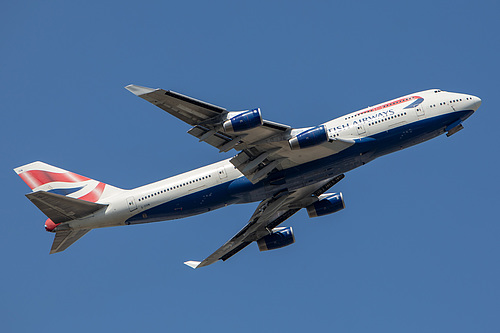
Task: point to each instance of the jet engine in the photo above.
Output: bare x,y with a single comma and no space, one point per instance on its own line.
279,237
328,203
309,138
243,121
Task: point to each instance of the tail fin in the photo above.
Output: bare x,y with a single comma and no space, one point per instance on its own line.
63,196
40,176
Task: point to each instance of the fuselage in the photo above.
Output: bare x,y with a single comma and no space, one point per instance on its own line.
376,131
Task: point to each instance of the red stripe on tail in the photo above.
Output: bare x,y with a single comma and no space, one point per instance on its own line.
35,178
95,194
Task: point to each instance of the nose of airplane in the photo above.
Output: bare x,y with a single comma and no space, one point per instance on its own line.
476,103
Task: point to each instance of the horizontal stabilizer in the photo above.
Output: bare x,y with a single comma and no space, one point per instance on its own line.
60,208
65,238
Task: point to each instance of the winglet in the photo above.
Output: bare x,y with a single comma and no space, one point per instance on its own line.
138,90
192,264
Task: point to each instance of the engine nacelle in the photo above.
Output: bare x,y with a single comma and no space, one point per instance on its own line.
243,121
280,237
312,137
329,203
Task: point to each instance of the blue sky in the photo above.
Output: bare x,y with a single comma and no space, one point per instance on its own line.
416,249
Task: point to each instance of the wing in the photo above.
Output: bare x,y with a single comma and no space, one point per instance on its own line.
187,109
268,215
263,145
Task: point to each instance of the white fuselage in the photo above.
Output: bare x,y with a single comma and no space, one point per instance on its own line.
377,130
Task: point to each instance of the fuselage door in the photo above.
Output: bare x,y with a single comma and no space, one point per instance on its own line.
360,128
222,173
131,204
420,111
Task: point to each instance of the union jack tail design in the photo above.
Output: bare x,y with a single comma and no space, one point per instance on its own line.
63,196
40,176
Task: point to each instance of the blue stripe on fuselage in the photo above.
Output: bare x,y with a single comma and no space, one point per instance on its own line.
241,190
415,103
203,201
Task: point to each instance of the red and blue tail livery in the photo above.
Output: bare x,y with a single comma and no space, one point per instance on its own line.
40,176
285,169
63,195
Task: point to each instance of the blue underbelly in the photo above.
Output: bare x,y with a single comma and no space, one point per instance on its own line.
192,204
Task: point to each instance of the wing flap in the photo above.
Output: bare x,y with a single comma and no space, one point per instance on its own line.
209,136
60,208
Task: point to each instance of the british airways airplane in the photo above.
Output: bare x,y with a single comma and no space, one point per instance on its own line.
286,169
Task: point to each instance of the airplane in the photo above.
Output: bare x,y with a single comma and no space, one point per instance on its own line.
286,169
